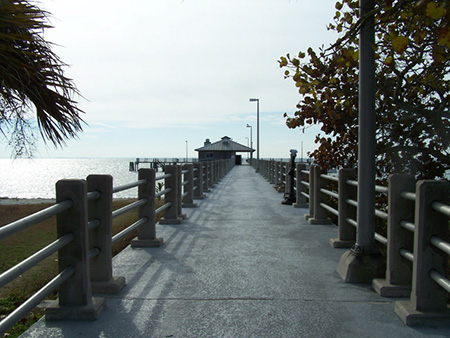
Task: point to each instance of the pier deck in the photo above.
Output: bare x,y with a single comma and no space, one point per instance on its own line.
241,265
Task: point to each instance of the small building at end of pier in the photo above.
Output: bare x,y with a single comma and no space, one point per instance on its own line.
224,149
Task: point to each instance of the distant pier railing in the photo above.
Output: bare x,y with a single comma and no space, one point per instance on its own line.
416,216
158,163
84,221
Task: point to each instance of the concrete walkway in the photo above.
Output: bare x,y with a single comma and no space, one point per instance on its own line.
241,265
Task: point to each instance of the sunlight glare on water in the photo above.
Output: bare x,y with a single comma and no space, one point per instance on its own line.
36,178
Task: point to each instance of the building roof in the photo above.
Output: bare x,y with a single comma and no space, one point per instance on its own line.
225,144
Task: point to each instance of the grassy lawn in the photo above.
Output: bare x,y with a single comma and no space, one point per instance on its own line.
17,247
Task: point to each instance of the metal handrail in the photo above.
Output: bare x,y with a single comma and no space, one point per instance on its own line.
408,195
35,218
34,259
329,193
129,207
34,300
129,186
163,207
163,192
330,178
440,244
127,230
330,209
162,177
441,207
440,279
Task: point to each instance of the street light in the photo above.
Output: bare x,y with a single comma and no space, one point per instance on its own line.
251,144
247,145
257,131
186,150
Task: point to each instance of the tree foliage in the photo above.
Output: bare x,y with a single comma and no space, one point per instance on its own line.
412,88
32,80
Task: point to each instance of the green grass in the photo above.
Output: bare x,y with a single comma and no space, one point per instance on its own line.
19,246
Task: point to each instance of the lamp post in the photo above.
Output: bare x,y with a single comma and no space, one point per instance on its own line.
257,131
186,150
247,145
251,143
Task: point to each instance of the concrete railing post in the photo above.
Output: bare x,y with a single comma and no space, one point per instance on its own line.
198,180
301,200
171,214
276,174
75,301
320,215
398,270
286,177
428,302
102,280
188,200
147,232
346,231
205,177
311,192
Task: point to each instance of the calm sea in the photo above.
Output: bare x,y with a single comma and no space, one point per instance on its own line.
36,178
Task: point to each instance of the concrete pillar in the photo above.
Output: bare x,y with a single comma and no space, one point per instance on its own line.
147,232
311,192
320,215
346,231
188,200
276,179
398,270
100,209
428,302
75,300
301,201
198,180
205,177
171,214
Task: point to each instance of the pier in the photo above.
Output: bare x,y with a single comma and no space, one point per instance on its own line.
241,264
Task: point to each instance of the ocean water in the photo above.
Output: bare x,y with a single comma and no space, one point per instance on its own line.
36,178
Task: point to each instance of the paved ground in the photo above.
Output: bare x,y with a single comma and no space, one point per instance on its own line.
241,265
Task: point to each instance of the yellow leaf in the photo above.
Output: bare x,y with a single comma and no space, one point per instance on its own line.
435,11
388,61
399,44
444,37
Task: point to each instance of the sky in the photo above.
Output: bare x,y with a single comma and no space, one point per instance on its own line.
158,77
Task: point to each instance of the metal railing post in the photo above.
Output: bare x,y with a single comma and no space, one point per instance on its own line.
171,214
398,270
102,279
428,302
75,301
320,215
346,231
147,232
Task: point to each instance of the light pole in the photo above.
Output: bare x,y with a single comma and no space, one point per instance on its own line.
247,145
257,131
186,150
251,143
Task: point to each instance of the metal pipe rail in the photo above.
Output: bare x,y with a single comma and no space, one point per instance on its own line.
33,219
90,241
129,207
34,259
127,230
9,321
128,186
